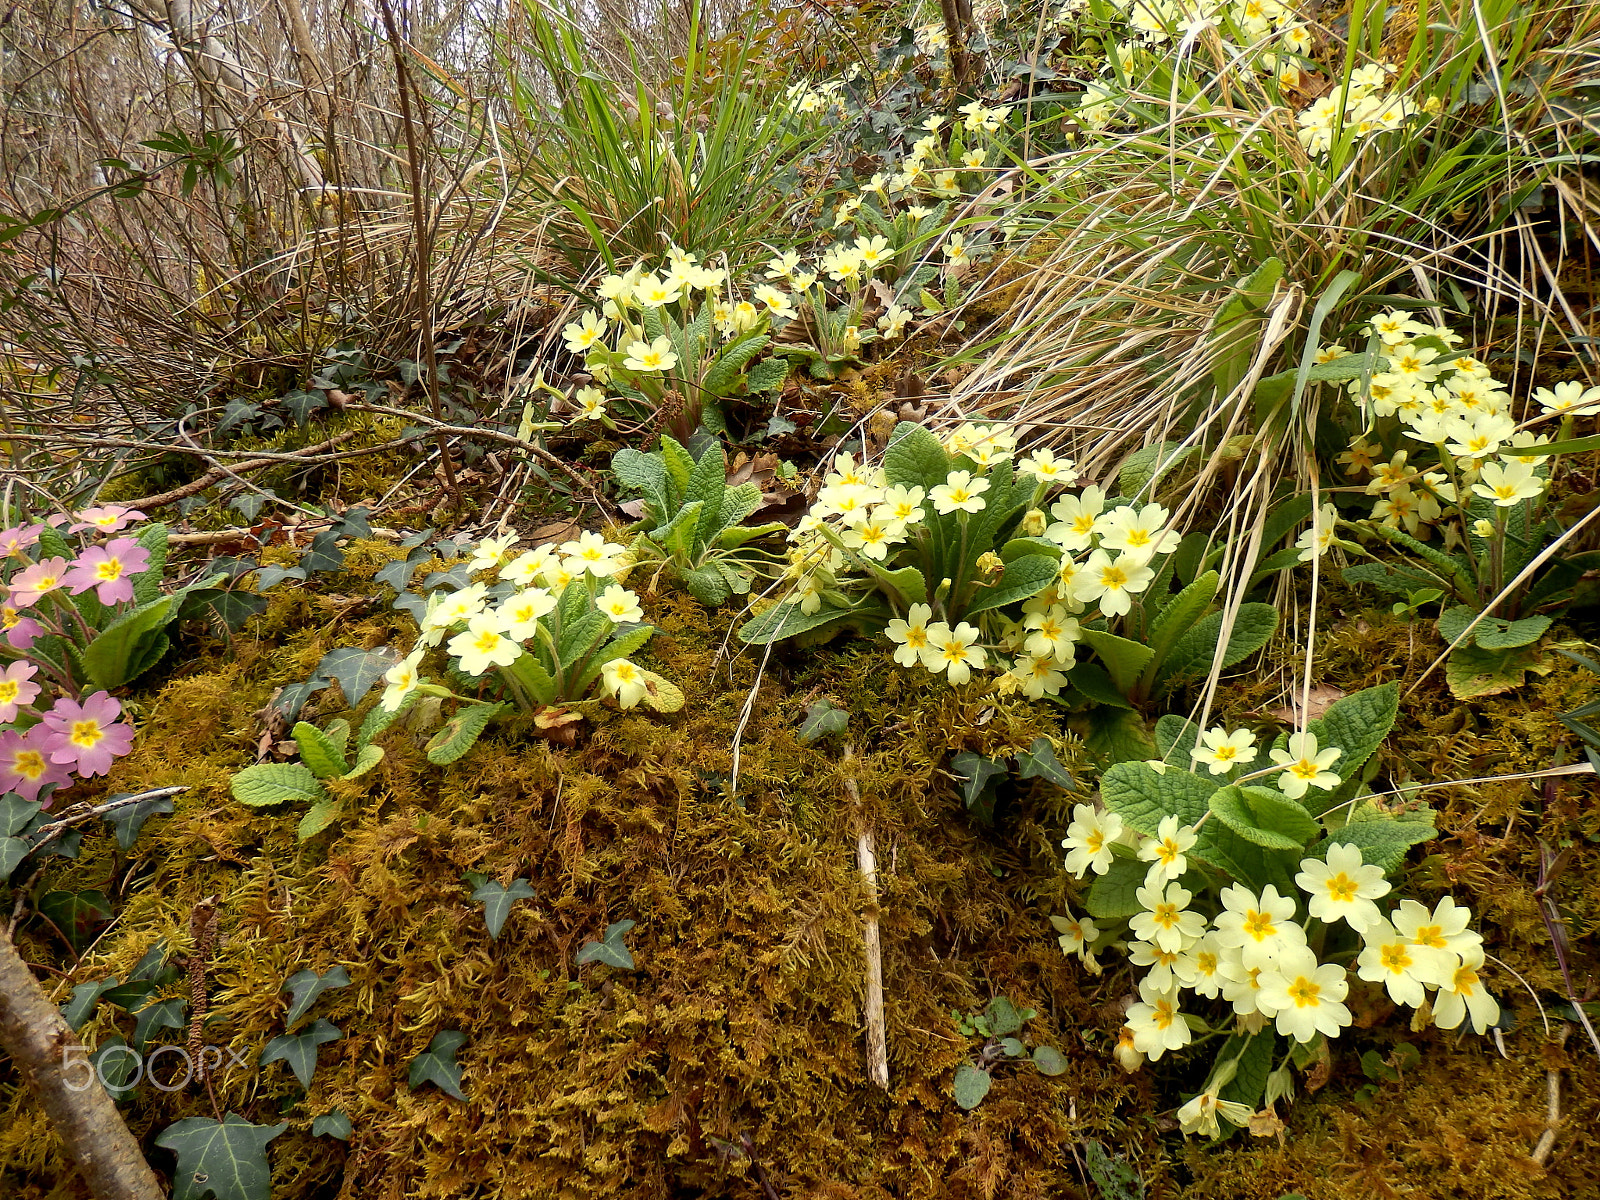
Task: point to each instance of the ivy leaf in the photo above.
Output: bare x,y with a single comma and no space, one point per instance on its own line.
126,821
114,1062
12,851
975,773
1039,761
333,1124
78,915
497,901
356,671
271,576
226,1159
305,986
324,555
85,999
225,608
822,719
16,813
971,1086
300,404
437,1064
610,951
156,1016
299,1050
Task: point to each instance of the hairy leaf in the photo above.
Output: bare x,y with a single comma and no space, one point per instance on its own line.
275,783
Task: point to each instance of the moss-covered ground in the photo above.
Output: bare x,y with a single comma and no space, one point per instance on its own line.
730,1061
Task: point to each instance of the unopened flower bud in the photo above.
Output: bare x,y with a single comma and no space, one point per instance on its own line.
1033,523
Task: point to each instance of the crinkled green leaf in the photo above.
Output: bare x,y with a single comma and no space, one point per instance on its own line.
275,783
915,457
319,751
1141,796
458,735
1115,894
1263,816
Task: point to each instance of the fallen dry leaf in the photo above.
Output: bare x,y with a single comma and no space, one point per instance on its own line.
1319,702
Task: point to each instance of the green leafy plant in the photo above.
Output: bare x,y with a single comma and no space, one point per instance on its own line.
947,551
693,521
324,755
1443,453
1201,871
437,1065
609,950
999,1025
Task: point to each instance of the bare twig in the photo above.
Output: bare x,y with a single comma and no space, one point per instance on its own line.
867,861
1552,1123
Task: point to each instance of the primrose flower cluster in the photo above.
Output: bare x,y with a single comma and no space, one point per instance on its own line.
1265,36
861,523
1221,956
548,622
49,732
1443,432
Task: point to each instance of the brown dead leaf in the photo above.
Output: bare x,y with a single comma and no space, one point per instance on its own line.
1266,1123
559,725
1320,699
554,531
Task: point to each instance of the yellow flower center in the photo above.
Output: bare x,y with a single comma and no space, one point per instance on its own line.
1304,769
1466,981
1095,842
1225,753
8,690
1164,1014
954,651
86,733
486,641
1168,851
109,570
1259,925
1113,579
916,637
1304,993
1430,935
29,764
1083,523
1342,888
1395,957
1138,537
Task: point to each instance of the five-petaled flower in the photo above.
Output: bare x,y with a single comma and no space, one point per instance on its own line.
107,569
1089,838
1307,766
87,736
1221,751
1167,850
1342,888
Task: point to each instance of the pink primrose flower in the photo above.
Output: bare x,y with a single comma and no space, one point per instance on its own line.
25,766
16,691
105,520
18,630
107,568
40,579
15,540
88,735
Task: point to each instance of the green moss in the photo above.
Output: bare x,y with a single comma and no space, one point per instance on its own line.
743,1019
